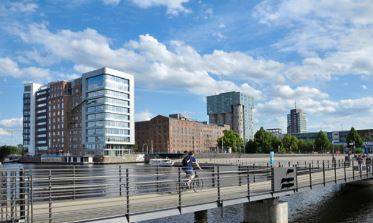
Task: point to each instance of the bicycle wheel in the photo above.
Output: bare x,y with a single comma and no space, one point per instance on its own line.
197,184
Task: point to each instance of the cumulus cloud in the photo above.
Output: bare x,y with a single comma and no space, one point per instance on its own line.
4,132
174,7
12,122
174,65
337,43
23,6
143,116
10,67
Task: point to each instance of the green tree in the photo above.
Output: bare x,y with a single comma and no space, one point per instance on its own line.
354,137
322,143
263,141
9,150
290,143
305,146
231,140
250,147
276,143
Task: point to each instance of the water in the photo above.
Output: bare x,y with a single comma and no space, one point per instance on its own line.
335,203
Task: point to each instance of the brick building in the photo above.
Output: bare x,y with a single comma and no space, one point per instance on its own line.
176,133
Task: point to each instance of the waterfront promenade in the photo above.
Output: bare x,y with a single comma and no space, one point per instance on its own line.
80,194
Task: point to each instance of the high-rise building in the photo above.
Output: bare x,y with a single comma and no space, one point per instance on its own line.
176,133
108,112
296,121
29,116
92,115
234,109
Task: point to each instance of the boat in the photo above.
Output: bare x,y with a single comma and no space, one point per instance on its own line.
161,162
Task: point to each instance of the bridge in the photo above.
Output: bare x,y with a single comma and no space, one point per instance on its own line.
138,193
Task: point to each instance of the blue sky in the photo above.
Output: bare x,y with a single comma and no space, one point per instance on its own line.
317,53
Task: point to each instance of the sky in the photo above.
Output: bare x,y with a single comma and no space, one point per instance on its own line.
315,53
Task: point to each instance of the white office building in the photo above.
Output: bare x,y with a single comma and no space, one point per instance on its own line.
108,112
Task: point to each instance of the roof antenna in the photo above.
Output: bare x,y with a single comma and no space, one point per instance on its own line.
295,104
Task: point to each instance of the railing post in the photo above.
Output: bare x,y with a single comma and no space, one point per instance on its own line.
22,205
353,170
310,173
219,195
120,180
157,178
32,199
50,196
239,175
213,177
360,170
254,172
328,164
335,171
344,170
323,172
73,182
179,188
296,178
318,165
248,182
127,196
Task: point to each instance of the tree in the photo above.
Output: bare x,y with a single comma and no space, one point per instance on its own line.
354,137
306,146
276,143
231,140
262,141
250,147
5,151
290,143
322,143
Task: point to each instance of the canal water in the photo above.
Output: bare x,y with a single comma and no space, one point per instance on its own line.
334,203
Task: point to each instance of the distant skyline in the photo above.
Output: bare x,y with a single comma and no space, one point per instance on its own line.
317,53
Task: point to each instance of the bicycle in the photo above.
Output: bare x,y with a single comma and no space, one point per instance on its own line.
196,185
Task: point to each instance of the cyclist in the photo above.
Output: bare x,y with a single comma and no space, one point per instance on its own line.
187,163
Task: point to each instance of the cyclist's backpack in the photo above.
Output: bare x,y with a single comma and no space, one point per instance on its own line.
185,161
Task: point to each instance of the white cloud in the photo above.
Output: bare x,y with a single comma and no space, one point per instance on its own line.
111,2
143,116
4,132
174,7
12,122
285,91
364,87
23,6
8,67
176,65
333,37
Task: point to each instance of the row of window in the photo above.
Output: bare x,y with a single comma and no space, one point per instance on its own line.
107,108
108,123
100,139
105,100
107,81
100,116
108,131
108,93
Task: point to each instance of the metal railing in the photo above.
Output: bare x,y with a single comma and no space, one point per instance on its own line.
85,193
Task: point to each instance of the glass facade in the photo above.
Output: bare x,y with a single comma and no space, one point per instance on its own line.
107,113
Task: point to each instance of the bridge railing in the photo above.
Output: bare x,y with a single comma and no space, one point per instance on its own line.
83,193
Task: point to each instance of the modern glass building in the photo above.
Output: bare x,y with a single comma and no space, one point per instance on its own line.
108,112
234,109
296,121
